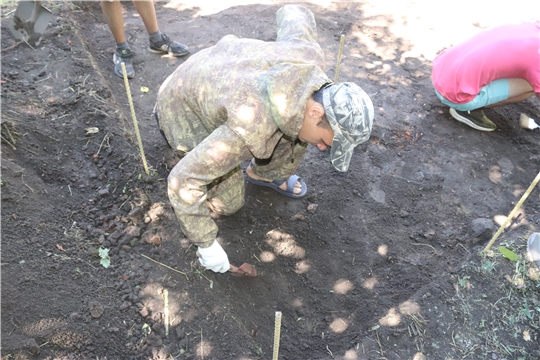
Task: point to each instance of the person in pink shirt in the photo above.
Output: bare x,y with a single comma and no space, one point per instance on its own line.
496,67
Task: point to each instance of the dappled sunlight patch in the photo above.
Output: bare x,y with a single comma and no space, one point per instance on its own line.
54,331
205,8
186,193
516,280
394,315
426,30
153,301
360,73
32,109
302,267
43,326
151,289
519,214
203,349
171,60
67,339
267,256
374,65
351,354
280,101
217,207
372,46
518,192
495,174
370,283
500,219
174,302
409,308
219,151
284,244
323,3
339,325
173,183
533,272
342,286
386,68
156,240
245,113
383,250
185,243
156,212
392,318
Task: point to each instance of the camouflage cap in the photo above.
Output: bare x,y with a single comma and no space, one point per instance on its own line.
349,111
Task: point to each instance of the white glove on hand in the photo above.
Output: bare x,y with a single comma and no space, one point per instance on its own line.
214,258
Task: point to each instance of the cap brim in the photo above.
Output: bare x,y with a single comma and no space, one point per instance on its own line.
341,152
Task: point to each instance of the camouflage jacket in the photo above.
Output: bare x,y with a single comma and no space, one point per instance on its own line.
242,96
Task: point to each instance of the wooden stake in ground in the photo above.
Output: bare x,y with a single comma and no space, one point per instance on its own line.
277,334
511,216
126,82
166,311
341,41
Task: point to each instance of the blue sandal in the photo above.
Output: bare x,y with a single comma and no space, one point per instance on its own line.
291,182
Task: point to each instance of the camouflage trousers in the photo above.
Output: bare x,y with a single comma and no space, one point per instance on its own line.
225,193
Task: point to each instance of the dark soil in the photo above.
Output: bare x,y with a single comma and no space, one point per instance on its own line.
381,262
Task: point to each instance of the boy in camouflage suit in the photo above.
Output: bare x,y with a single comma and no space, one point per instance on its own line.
247,99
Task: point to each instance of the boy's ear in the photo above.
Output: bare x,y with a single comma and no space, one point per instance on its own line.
316,111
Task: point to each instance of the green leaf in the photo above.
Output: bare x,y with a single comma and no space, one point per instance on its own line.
146,329
509,254
103,253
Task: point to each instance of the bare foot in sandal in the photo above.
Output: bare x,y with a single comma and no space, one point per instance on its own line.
298,190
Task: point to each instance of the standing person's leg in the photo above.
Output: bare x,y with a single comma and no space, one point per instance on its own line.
148,14
159,42
112,11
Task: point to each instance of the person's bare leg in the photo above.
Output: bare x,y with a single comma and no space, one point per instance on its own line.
159,42
520,90
251,174
112,11
148,14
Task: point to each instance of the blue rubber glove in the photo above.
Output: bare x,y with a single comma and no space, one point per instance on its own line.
214,258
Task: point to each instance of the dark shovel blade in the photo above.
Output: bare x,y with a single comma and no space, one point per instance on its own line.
30,21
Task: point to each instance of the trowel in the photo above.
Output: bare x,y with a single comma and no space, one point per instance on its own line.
245,269
30,21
